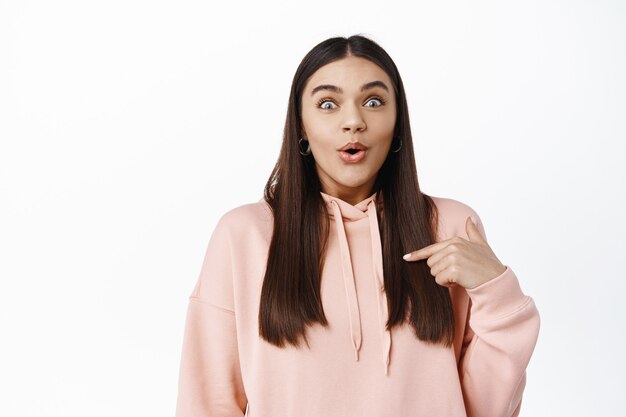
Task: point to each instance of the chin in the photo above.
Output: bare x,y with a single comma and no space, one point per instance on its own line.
353,182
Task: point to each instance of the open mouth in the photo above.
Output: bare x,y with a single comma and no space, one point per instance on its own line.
352,155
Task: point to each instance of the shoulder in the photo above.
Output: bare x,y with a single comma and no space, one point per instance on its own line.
449,207
452,215
236,230
246,218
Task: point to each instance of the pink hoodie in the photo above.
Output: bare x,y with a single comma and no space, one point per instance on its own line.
354,366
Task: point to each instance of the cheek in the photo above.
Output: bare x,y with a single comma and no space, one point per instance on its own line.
378,155
317,129
384,124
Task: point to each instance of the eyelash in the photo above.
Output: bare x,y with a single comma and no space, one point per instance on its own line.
382,101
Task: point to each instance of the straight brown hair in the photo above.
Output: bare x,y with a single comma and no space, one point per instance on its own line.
290,296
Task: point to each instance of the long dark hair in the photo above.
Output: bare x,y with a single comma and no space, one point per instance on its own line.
290,297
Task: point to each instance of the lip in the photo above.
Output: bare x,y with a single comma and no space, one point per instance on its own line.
353,145
349,158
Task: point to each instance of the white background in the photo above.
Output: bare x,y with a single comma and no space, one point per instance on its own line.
128,127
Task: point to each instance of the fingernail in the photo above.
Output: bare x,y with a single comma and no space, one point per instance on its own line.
474,220
407,256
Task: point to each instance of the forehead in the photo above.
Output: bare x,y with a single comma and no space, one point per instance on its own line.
348,73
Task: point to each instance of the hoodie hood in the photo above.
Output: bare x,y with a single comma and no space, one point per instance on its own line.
346,212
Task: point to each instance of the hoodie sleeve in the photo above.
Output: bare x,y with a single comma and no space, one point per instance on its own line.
210,382
500,336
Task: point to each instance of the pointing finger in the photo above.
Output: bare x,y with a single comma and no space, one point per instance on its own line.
424,252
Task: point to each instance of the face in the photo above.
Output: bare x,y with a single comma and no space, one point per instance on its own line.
348,108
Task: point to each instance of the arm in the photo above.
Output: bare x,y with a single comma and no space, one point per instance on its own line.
210,381
500,336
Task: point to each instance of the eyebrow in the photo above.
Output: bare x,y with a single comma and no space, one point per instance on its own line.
338,90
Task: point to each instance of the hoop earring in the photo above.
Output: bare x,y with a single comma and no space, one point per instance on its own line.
308,147
399,147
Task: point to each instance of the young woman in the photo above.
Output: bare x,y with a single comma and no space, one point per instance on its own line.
446,331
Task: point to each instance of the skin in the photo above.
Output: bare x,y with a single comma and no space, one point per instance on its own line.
352,115
458,261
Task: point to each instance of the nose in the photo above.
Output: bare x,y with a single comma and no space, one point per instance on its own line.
353,121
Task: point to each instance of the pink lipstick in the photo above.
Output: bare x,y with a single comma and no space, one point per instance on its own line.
353,152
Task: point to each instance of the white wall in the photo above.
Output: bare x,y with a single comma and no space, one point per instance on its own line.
128,127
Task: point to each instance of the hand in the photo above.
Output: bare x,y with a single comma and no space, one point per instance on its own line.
468,263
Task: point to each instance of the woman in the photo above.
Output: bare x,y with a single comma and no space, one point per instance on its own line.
446,331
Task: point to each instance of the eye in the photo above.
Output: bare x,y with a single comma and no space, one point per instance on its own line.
376,98
324,100
380,99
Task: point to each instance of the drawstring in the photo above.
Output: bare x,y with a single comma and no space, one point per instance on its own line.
348,279
377,260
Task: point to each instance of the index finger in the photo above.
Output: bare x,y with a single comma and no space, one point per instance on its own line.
425,252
